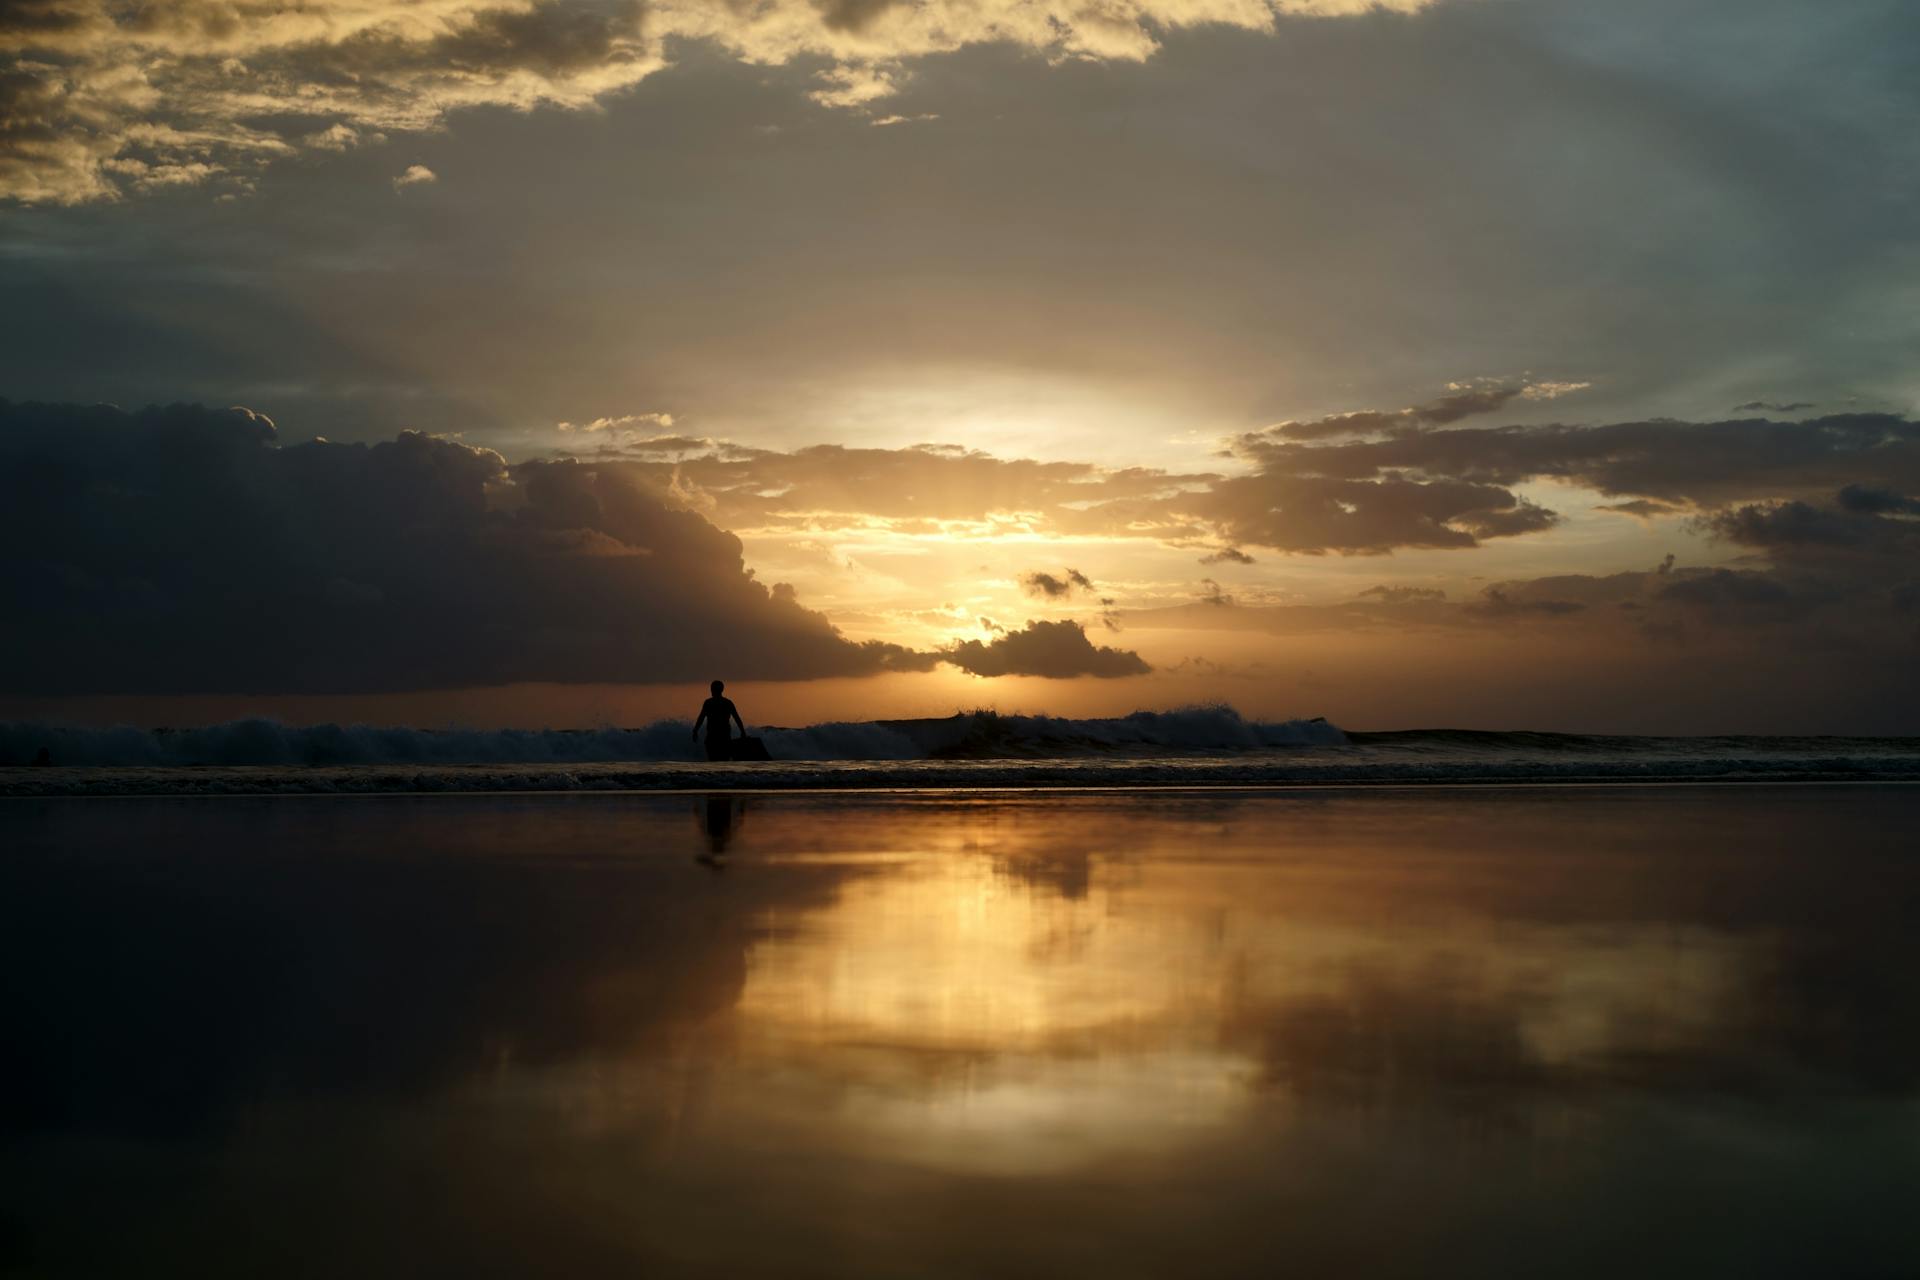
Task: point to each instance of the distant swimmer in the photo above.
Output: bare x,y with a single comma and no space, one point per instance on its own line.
715,712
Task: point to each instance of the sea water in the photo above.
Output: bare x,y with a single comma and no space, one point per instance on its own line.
1195,746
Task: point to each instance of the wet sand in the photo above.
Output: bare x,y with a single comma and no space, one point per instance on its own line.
1552,1030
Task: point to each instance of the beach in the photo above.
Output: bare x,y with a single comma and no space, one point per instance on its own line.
959,640
1397,1030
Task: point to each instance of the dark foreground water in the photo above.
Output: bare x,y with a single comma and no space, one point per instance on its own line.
1550,1031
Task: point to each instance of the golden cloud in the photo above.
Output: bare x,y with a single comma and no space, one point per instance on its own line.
98,99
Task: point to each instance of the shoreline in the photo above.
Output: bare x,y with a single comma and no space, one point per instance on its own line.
984,790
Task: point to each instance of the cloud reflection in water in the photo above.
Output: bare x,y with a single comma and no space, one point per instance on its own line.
952,1034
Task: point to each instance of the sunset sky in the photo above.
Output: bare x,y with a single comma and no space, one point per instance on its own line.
1491,363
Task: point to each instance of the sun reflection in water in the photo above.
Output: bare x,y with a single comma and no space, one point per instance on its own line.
994,995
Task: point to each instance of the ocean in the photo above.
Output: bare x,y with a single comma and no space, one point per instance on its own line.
1199,746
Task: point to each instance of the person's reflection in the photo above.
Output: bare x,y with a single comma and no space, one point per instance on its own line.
719,817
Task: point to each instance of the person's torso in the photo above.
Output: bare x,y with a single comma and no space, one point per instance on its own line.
717,711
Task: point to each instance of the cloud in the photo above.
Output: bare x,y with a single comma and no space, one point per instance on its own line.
1731,595
1770,406
1643,509
1799,525
199,89
1463,400
415,175
92,84
1402,595
1282,505
1412,609
1871,501
1849,566
1837,574
1423,487
1495,602
945,490
1699,463
335,137
1049,587
637,422
182,550
1317,514
1214,596
1227,555
1055,649
947,487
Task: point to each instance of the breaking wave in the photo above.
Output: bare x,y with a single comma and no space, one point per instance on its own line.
969,735
1192,746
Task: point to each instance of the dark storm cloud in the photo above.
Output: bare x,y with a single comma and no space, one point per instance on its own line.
1047,586
178,550
1056,649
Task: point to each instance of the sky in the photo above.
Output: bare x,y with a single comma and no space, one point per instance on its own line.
1486,363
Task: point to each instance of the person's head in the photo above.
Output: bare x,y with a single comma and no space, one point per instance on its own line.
717,686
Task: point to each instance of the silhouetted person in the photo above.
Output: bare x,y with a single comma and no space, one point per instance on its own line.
715,712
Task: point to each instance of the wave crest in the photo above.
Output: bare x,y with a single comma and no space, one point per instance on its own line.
968,735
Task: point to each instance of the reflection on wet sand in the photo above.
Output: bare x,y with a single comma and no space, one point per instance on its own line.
719,815
948,1035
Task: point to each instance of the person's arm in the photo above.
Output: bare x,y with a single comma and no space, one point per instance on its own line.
737,720
698,721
